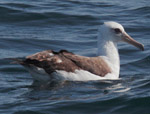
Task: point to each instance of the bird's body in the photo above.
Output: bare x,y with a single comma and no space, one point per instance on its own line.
63,65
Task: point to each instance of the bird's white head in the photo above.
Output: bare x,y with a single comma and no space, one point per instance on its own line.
110,34
113,31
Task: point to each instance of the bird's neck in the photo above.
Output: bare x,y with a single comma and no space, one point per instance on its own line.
109,51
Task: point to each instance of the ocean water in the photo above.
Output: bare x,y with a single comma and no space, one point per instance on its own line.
30,26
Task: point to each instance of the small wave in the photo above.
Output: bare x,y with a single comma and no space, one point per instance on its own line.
146,8
6,10
19,12
134,106
15,15
18,5
142,62
71,19
139,67
140,10
90,3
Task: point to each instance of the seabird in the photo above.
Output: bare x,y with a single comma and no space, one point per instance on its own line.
63,65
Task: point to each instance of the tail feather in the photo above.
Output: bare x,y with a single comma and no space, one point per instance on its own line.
17,61
37,73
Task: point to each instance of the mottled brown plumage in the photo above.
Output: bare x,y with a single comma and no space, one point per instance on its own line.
51,61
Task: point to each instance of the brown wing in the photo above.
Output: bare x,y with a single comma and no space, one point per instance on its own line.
64,60
51,61
95,65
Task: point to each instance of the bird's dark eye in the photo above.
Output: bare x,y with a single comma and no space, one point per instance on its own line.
117,31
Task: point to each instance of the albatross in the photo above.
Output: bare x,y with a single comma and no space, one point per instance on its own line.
64,65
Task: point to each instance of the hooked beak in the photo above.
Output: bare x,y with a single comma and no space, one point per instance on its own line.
130,40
